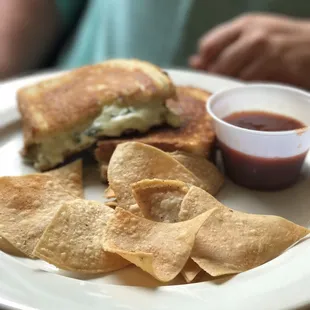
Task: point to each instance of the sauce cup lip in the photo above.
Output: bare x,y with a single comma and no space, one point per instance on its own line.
297,91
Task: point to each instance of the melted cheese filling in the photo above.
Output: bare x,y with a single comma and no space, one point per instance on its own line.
53,151
113,121
116,119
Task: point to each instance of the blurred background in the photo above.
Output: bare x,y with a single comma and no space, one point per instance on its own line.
246,39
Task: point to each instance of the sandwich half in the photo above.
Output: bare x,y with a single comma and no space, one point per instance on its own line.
195,135
67,114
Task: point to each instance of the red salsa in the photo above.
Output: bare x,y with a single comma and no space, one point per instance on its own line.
263,121
258,172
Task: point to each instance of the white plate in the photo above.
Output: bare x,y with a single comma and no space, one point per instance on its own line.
283,283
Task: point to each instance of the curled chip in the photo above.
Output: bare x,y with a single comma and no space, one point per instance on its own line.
132,162
161,249
28,203
160,200
209,175
70,177
72,241
230,241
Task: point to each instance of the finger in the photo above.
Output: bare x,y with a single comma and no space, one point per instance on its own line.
259,70
240,54
212,44
195,62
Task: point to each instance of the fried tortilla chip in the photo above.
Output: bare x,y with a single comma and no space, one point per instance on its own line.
72,241
190,271
161,249
108,193
70,177
230,242
135,209
195,202
111,204
160,200
210,176
27,205
132,162
8,248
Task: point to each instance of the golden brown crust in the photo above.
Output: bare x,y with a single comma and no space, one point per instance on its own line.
194,136
62,103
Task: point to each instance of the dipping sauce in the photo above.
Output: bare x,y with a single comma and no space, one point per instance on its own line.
261,173
258,172
263,121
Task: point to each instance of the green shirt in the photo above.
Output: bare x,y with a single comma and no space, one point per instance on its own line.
164,32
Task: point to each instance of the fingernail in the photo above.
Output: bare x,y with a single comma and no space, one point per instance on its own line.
194,61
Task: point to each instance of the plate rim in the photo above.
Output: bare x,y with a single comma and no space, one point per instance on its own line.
188,292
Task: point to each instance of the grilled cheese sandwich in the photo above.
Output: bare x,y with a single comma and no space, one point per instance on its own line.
67,114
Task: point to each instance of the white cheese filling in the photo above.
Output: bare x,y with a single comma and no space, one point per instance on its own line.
113,121
116,119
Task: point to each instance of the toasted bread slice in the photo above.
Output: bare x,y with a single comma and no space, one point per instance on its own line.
66,114
194,136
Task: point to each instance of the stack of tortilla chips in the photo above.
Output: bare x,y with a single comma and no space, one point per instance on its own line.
166,220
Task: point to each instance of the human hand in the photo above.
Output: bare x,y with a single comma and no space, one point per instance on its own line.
258,47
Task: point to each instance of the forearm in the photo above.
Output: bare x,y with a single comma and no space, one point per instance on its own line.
28,33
